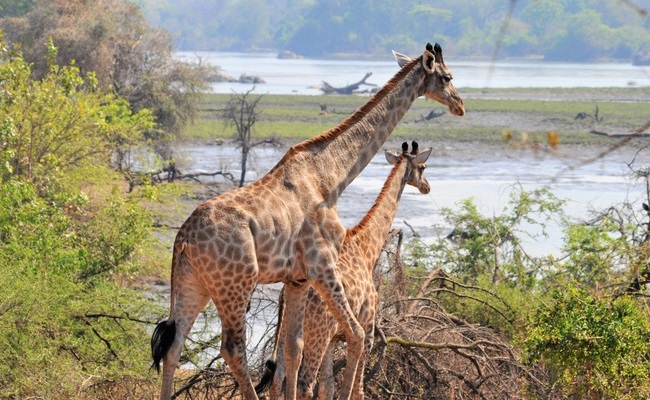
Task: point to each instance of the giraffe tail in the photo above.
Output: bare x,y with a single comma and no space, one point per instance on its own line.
267,377
164,334
271,365
161,340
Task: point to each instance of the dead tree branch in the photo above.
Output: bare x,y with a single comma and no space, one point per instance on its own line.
326,88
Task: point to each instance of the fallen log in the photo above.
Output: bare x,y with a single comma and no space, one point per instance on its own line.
620,135
326,88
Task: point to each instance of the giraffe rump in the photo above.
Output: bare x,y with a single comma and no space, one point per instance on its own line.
161,341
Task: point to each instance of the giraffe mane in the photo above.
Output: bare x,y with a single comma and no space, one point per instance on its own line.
366,218
361,112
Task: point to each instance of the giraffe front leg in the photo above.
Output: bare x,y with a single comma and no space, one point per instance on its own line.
295,297
326,384
369,340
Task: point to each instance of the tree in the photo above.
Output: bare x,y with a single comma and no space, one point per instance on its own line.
481,245
241,111
470,27
112,40
596,347
60,124
68,239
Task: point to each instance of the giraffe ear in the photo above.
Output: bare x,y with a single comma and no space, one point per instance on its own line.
428,59
401,59
422,156
438,52
391,157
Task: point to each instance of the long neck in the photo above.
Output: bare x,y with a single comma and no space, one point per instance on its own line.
376,224
337,156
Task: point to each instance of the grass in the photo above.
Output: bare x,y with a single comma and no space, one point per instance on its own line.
296,117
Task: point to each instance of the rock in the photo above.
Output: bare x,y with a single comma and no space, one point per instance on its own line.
289,55
244,78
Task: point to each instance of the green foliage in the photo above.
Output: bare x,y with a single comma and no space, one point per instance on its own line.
493,278
68,237
596,347
481,245
605,251
61,124
64,327
559,30
595,251
569,314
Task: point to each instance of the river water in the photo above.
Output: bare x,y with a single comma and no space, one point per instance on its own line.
304,76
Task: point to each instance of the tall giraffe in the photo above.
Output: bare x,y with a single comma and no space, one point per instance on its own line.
359,254
284,227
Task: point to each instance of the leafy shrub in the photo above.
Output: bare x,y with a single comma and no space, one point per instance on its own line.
67,327
493,277
595,347
61,124
63,328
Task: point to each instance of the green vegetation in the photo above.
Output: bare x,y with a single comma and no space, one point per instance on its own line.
77,244
576,315
570,30
296,117
69,238
597,347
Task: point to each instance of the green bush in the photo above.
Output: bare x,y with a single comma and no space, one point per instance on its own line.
60,125
68,238
595,347
64,327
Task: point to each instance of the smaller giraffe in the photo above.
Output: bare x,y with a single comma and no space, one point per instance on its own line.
359,254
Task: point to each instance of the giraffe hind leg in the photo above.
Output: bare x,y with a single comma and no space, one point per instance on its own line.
232,306
190,300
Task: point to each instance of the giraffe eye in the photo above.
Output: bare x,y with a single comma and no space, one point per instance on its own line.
446,78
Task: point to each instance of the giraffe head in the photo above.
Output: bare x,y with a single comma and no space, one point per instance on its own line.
416,164
437,78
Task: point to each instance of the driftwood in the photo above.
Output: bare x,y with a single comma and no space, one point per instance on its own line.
169,174
620,135
326,88
432,115
596,117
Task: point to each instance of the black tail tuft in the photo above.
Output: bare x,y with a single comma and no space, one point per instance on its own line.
267,377
161,341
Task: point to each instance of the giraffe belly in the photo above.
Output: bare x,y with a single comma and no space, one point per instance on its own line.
276,259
